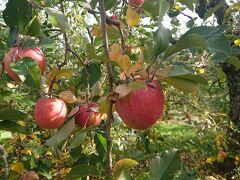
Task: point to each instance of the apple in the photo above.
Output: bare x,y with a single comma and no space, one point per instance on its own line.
88,115
17,54
143,107
136,3
30,175
114,17
222,154
50,113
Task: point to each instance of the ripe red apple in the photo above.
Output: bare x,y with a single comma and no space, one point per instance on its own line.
88,115
30,175
50,113
142,108
136,3
17,54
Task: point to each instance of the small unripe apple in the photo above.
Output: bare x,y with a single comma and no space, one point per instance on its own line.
136,3
17,54
30,175
143,107
50,113
88,115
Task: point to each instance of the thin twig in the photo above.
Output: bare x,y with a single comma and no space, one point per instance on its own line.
122,39
66,47
5,162
186,15
109,70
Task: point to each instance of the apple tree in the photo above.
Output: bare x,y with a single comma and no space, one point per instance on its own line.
79,78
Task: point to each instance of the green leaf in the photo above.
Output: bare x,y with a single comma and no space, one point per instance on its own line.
234,61
161,40
165,167
33,28
78,139
62,134
189,41
211,11
206,31
12,127
135,85
58,19
46,42
181,72
17,13
83,170
28,71
101,146
163,8
12,37
123,165
188,3
11,114
150,8
93,72
219,44
182,84
109,4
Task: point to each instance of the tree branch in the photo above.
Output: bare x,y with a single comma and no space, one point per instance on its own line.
5,162
109,70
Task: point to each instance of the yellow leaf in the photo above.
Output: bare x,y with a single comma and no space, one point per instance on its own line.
123,90
68,96
132,17
17,167
123,164
237,42
124,62
115,52
97,31
26,151
104,105
178,7
201,71
137,66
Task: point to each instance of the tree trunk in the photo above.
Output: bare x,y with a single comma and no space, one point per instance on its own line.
233,78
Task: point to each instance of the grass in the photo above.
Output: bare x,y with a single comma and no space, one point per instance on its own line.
179,135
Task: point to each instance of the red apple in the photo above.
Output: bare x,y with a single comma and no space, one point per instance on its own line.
17,54
136,3
50,113
114,17
142,108
222,154
30,175
88,115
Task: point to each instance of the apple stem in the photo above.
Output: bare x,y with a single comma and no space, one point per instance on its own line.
109,71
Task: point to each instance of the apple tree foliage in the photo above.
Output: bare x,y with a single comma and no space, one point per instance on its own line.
70,34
